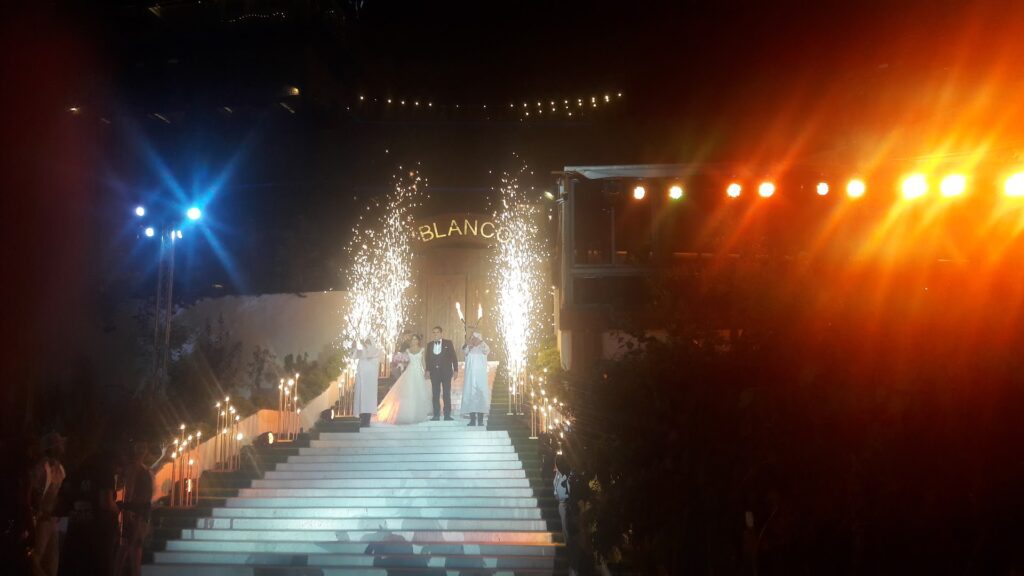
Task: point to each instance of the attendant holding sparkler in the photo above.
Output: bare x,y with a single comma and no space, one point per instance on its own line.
476,394
367,372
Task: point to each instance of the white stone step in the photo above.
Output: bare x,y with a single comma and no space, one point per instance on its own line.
395,466
467,432
419,535
411,510
367,524
299,570
379,502
371,559
360,547
457,484
385,493
453,443
430,449
468,459
457,423
393,474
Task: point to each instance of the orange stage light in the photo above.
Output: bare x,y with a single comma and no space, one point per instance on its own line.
675,192
766,189
855,188
639,192
1014,186
953,185
914,186
734,190
822,189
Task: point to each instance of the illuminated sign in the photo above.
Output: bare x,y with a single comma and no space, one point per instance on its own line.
465,227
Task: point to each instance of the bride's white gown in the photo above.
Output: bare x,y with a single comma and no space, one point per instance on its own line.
409,400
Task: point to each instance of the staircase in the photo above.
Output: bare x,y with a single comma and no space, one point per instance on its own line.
435,498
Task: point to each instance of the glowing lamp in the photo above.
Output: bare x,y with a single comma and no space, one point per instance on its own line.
914,186
822,189
953,185
675,192
639,192
855,188
140,211
194,213
150,232
1014,186
734,190
766,190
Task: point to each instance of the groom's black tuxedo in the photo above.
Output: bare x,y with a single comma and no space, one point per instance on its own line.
445,364
442,366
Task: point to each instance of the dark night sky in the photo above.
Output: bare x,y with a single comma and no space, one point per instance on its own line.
757,82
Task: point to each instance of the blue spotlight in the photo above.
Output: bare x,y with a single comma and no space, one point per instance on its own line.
178,234
194,213
140,211
149,232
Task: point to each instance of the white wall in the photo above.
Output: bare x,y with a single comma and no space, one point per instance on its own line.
284,323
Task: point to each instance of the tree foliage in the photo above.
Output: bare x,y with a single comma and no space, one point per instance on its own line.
860,435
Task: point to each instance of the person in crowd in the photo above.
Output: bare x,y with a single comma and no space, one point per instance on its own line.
135,508
563,491
47,478
91,544
16,515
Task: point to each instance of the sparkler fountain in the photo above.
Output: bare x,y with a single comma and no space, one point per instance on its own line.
518,276
380,272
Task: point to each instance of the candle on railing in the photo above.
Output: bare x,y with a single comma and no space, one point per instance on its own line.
199,465
295,408
183,450
238,445
238,442
174,466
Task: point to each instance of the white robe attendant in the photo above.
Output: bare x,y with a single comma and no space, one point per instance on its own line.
367,372
476,394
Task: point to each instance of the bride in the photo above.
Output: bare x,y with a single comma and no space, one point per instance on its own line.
408,401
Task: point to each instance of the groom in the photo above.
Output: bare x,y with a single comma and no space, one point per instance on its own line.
442,366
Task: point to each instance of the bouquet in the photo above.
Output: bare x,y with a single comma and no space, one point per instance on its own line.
400,360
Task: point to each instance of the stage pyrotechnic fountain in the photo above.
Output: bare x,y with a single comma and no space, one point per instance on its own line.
519,279
380,274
